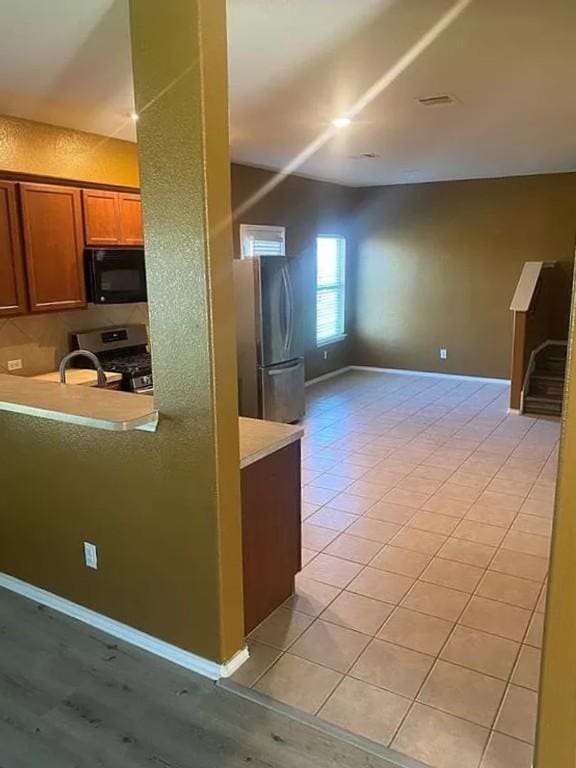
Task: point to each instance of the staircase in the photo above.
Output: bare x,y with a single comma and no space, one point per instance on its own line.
545,388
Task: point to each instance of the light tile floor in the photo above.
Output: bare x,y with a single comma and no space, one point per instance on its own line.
418,616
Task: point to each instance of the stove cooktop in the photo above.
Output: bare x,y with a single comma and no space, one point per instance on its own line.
120,349
127,362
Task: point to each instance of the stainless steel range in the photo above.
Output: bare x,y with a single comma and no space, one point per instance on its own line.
121,349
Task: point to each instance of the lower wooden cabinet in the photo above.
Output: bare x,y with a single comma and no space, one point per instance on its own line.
271,532
13,300
53,246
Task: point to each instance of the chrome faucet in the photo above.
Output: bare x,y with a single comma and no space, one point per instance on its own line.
83,353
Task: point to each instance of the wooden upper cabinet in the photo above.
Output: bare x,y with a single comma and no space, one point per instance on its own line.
131,229
53,245
112,218
101,217
12,282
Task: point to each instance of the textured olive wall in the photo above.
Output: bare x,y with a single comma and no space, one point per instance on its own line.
47,150
556,740
438,263
306,208
163,509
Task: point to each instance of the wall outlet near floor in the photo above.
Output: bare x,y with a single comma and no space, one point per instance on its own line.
443,353
325,354
14,365
90,555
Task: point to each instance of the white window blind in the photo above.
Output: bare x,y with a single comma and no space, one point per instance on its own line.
258,240
330,288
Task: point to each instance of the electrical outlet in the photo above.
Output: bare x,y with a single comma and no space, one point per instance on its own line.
325,354
14,365
443,354
90,555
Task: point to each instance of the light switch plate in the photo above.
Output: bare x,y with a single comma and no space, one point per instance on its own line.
90,555
443,354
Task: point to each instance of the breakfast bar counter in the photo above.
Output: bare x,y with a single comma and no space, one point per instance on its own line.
85,406
270,476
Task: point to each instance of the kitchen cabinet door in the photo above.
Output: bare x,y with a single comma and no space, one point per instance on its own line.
53,246
271,532
101,217
12,283
131,229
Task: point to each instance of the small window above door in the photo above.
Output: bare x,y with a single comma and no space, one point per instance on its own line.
262,240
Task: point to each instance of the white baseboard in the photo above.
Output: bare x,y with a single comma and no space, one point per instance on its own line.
432,374
198,664
331,375
405,372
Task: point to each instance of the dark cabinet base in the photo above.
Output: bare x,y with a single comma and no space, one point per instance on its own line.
271,532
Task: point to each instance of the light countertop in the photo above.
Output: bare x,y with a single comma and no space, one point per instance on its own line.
84,377
122,411
86,406
259,439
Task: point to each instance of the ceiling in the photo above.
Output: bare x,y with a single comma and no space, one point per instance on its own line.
297,64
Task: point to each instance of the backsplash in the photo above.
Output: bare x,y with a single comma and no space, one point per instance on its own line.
41,341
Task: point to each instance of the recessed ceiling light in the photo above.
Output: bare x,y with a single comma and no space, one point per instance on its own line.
134,116
341,122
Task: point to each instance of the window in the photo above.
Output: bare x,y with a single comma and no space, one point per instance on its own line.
258,240
330,288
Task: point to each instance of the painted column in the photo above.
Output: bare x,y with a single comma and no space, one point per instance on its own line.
181,90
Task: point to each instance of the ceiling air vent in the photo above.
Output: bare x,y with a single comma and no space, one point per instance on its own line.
365,156
441,100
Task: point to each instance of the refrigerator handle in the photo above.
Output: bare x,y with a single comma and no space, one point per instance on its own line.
287,309
282,312
281,370
291,311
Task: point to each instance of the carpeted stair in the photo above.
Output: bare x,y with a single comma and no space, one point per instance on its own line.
546,386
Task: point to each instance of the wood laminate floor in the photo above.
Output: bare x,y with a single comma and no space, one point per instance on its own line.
73,697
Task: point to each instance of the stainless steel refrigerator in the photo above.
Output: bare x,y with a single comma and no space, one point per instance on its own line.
270,367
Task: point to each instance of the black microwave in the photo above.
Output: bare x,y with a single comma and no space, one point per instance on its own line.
115,276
